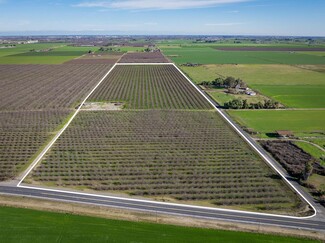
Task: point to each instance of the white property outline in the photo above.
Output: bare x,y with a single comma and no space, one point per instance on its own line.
41,155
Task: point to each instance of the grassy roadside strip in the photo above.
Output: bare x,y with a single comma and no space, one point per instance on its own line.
35,226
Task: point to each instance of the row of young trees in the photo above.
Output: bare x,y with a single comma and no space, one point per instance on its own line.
243,104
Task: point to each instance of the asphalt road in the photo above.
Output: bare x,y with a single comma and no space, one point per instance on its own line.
155,207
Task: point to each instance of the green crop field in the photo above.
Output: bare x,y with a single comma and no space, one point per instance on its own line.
21,48
314,53
25,225
22,54
297,96
296,87
258,74
208,55
268,121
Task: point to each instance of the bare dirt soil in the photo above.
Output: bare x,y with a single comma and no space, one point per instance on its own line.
102,106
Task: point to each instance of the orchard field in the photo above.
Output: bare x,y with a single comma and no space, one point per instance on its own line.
178,155
167,144
35,100
149,87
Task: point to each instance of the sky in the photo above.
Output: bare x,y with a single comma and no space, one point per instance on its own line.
164,17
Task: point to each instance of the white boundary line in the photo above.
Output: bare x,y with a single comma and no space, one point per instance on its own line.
143,63
162,203
155,202
41,155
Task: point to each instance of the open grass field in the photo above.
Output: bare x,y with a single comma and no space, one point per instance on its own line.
297,87
268,121
318,141
149,87
221,97
59,53
22,48
259,74
295,96
184,156
316,53
208,55
25,225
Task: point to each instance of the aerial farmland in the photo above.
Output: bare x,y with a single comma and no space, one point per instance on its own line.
147,132
162,121
132,125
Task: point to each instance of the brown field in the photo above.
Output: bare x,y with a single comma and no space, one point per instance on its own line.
149,87
22,134
144,57
28,87
34,102
91,61
98,58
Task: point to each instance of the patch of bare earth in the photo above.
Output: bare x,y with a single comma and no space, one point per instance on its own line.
102,106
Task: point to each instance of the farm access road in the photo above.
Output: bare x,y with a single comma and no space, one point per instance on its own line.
314,223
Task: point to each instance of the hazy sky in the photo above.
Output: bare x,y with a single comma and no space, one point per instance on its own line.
212,17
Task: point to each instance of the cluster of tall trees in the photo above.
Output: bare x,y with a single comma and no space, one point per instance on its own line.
229,82
243,104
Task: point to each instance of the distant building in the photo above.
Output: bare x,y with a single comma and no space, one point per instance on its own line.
31,42
250,92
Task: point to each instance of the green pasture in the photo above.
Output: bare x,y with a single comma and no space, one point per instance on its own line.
25,225
258,74
222,97
314,53
22,54
208,55
21,48
297,96
268,121
318,141
293,86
